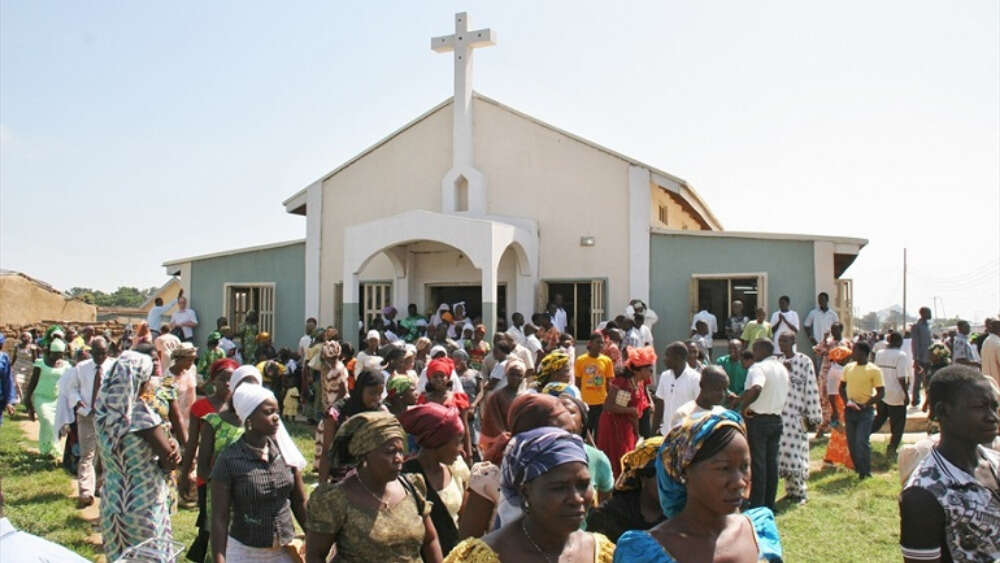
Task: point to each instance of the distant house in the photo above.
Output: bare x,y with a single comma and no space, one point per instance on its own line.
25,300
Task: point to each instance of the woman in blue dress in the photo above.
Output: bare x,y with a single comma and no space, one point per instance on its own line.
703,477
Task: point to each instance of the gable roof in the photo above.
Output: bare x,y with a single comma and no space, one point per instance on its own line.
675,184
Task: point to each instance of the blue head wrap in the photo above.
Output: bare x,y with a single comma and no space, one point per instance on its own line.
533,453
678,450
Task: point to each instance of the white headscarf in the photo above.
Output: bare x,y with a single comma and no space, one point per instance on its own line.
289,450
243,372
247,398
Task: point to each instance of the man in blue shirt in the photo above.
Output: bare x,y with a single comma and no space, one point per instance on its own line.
920,336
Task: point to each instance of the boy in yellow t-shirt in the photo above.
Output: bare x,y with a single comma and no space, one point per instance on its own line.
861,387
594,371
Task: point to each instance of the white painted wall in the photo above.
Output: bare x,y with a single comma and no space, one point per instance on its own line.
570,188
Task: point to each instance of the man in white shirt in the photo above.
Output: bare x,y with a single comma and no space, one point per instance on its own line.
897,371
709,319
154,318
558,313
674,390
638,306
784,320
83,385
645,335
762,401
516,330
185,318
532,344
712,391
305,342
818,321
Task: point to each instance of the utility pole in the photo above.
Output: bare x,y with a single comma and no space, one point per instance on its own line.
902,330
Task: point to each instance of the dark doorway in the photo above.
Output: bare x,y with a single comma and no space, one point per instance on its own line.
471,294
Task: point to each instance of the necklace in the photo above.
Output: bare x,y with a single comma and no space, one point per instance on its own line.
383,505
524,528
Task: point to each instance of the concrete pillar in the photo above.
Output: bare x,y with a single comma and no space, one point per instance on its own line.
489,296
314,249
351,310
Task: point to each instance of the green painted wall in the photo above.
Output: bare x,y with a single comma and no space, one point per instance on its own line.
284,266
674,258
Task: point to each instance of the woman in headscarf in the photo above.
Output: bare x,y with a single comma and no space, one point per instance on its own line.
25,354
528,411
601,477
438,470
138,456
421,358
332,385
439,390
438,315
254,489
219,373
544,474
705,461
553,367
635,502
618,427
365,397
42,395
375,514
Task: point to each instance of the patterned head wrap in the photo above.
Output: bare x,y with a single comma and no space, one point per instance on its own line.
641,357
423,343
119,409
636,460
52,333
534,453
557,388
215,335
388,310
330,352
247,398
361,434
446,317
242,373
840,354
555,361
679,448
398,384
57,345
185,350
263,335
432,425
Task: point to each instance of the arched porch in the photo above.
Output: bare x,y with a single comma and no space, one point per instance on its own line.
497,251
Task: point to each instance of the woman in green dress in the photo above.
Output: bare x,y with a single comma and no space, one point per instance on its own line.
43,394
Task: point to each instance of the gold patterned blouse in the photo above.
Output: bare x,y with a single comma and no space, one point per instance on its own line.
391,535
475,550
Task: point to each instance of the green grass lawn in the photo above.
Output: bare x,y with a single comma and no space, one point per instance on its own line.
845,520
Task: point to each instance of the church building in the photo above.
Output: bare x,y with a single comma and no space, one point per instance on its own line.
475,201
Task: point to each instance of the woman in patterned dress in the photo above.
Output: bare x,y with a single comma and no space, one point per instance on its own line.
801,410
138,456
332,387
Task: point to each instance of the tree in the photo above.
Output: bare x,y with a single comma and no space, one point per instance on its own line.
121,297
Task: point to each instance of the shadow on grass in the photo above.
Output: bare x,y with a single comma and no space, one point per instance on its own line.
22,462
845,480
40,498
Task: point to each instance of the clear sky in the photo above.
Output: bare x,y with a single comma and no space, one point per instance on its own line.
136,132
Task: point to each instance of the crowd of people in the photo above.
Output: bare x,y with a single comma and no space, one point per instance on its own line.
435,443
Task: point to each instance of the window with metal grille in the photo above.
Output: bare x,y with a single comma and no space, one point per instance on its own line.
374,296
240,299
584,304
